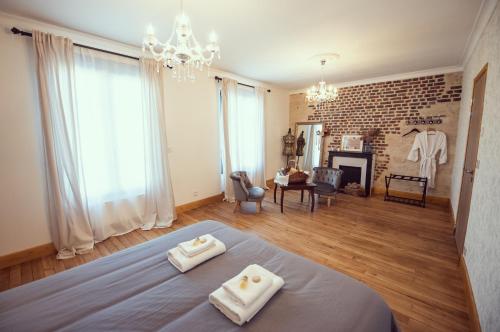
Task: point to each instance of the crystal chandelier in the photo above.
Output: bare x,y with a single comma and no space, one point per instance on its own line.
322,92
181,52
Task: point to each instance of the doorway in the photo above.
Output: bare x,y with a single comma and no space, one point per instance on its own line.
471,162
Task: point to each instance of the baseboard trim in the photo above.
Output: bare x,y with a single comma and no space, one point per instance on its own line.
475,324
438,200
199,203
47,249
26,255
452,215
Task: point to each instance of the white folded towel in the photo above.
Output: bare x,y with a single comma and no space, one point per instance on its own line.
189,249
281,179
246,296
239,314
184,263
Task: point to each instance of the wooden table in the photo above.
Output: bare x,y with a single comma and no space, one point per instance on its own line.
296,186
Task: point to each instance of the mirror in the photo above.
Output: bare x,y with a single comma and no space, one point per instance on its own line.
310,155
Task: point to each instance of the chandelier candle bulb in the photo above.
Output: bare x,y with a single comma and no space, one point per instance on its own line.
150,30
212,38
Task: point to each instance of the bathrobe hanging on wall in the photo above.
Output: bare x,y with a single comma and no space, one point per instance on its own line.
429,143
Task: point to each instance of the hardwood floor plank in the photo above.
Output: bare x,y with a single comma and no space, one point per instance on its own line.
4,279
102,249
26,273
15,276
37,269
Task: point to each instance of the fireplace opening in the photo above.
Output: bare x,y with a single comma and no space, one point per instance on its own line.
351,174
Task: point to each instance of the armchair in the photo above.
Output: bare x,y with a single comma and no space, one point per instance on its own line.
245,191
327,181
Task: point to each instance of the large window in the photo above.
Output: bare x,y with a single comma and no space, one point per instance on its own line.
110,124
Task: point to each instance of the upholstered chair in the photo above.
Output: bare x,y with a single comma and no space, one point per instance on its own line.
245,191
327,181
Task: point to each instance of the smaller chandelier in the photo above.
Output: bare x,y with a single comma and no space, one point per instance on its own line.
321,93
181,52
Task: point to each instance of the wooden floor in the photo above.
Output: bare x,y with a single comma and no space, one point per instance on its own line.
406,254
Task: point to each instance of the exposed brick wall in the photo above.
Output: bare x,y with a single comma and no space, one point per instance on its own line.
385,105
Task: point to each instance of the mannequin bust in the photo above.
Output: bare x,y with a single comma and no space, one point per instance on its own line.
288,142
300,144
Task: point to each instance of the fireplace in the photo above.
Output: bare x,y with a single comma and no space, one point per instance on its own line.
358,167
351,174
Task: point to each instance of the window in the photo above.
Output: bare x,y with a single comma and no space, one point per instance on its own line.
110,124
245,130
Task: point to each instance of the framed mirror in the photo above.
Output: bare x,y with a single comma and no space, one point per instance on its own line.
311,154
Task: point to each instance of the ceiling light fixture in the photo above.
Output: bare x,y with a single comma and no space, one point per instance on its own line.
181,52
321,93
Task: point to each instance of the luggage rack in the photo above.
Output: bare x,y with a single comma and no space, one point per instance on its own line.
405,200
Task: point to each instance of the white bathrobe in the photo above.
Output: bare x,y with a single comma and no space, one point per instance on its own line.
429,144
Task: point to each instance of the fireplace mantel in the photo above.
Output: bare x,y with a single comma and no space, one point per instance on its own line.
370,161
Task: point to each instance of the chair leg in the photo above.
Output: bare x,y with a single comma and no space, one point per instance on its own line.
237,206
328,202
258,206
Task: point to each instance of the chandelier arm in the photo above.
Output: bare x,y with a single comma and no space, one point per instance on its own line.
165,45
207,58
192,45
200,52
156,54
169,40
197,48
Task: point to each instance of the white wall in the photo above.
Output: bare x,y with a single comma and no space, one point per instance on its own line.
482,241
276,127
23,213
192,129
192,134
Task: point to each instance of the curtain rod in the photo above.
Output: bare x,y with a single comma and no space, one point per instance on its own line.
217,78
17,31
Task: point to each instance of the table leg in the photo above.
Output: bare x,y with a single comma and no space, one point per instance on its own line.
282,196
275,188
312,200
302,196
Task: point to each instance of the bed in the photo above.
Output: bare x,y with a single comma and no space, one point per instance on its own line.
139,290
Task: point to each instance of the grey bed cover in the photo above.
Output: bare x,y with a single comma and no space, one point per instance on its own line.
139,290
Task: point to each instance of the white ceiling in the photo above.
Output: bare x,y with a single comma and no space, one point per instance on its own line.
273,40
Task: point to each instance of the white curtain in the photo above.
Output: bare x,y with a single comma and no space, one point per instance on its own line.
159,196
112,110
70,225
244,133
259,176
229,101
